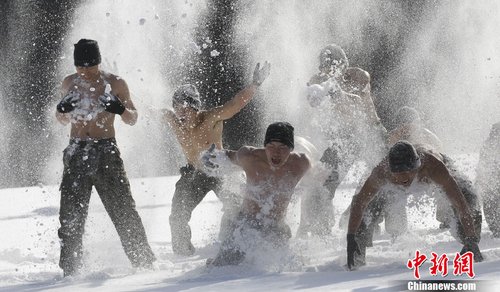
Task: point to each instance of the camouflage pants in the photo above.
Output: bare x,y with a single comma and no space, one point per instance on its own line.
190,190
97,163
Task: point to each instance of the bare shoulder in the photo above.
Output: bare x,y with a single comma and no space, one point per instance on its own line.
432,162
301,160
247,151
357,74
114,80
250,154
427,154
68,81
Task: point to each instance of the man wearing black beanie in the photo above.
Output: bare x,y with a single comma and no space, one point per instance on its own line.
91,100
272,172
196,129
404,166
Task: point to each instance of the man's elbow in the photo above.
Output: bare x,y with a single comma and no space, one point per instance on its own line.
130,117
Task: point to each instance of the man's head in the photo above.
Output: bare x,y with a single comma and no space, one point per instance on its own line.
332,59
404,162
186,96
86,53
407,115
278,143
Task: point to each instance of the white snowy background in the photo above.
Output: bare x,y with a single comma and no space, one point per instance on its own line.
461,44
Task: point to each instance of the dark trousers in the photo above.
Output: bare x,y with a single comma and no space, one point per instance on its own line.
232,251
97,163
190,190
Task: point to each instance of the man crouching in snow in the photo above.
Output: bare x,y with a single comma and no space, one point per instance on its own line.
407,166
272,173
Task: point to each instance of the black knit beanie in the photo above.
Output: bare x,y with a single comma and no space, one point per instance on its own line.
280,132
403,157
86,53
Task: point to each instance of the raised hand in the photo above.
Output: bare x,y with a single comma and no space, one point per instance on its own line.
352,247
215,161
260,74
470,244
69,102
111,103
316,95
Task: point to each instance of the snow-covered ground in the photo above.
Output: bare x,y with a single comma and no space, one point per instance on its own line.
29,250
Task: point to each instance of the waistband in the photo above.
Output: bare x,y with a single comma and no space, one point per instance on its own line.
90,141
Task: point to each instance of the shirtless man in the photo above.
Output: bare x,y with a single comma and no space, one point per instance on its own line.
351,124
272,173
410,128
406,166
92,99
196,130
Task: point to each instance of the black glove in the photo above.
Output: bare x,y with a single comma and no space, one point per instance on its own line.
111,104
260,74
68,103
352,247
470,244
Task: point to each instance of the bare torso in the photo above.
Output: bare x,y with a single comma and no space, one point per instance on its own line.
196,135
197,130
353,105
89,120
269,191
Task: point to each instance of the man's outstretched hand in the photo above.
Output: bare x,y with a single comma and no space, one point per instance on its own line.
215,161
207,158
260,74
352,247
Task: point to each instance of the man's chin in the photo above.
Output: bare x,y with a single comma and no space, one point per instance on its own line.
276,163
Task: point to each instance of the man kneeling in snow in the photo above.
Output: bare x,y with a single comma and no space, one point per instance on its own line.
272,173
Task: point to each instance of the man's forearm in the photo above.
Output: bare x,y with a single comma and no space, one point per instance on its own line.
129,116
63,118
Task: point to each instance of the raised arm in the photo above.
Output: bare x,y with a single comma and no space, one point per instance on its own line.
242,98
441,176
